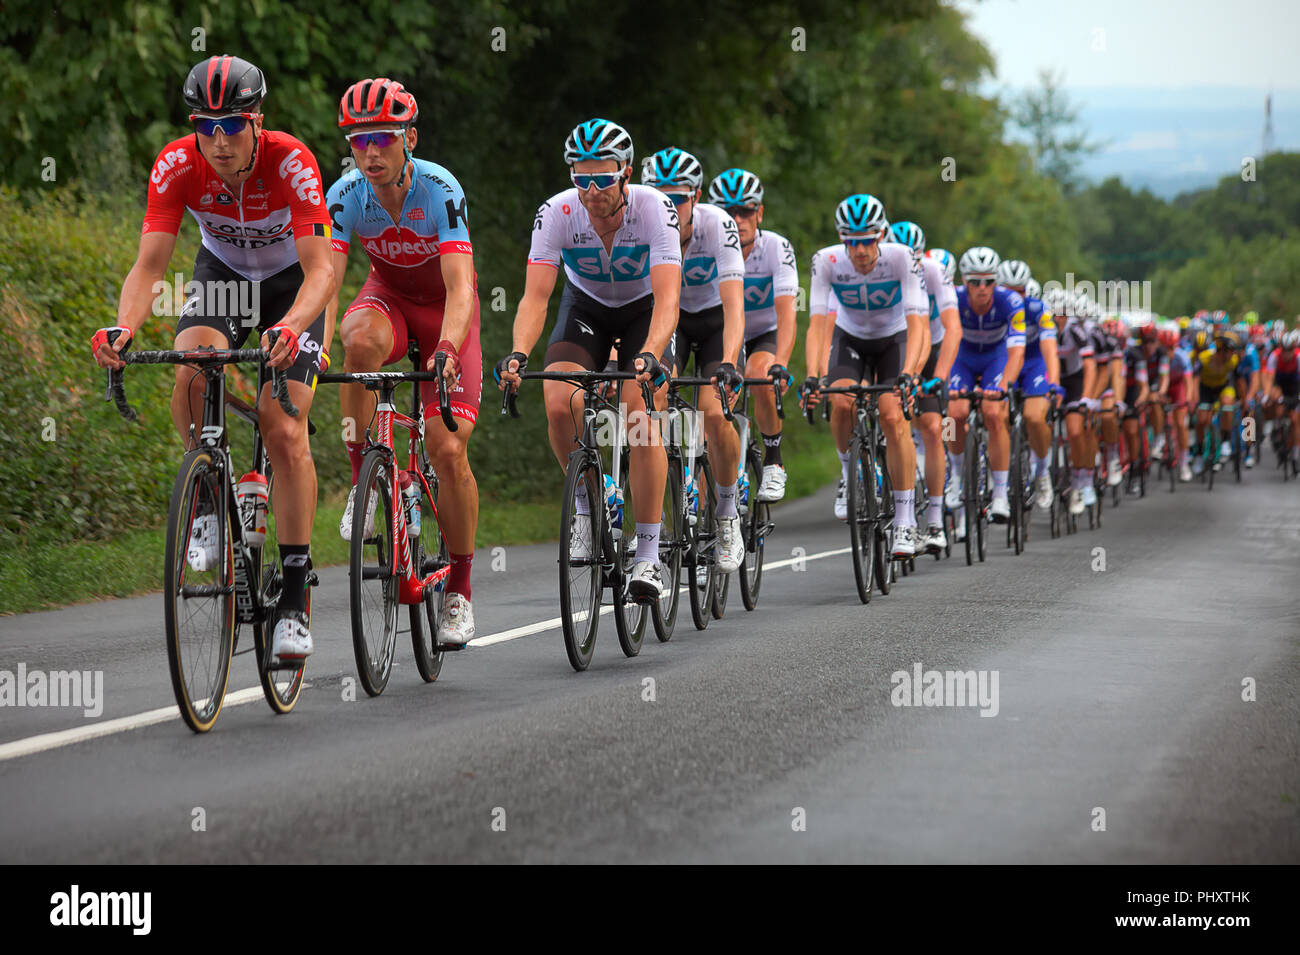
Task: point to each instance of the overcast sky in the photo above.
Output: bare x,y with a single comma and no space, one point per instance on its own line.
1248,43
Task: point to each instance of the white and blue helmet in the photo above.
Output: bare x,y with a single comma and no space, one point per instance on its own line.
598,139
1033,289
979,261
736,187
860,213
910,235
1014,273
947,261
672,167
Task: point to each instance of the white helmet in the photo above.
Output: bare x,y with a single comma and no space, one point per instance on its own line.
1013,273
947,262
980,260
598,139
860,213
1033,289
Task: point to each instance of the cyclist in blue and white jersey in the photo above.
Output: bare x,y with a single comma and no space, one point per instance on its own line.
991,355
771,284
710,323
880,336
945,336
621,253
1040,375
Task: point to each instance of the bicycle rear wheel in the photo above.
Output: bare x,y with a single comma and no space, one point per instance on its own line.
757,524
581,576
373,581
198,606
704,536
672,541
861,517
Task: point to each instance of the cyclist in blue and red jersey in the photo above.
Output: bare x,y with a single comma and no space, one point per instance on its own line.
990,356
411,217
257,197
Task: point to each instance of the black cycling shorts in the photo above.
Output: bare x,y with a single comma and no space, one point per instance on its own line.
763,341
235,306
585,331
699,334
877,361
1073,385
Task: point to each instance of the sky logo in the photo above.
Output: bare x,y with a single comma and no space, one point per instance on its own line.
850,296
758,293
699,271
884,294
630,262
585,263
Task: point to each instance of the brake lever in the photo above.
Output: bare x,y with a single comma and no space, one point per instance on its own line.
444,401
280,380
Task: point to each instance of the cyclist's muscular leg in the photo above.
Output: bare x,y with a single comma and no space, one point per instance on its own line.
764,401
1109,426
1078,441
995,417
647,459
294,485
457,489
187,394
932,437
724,440
900,453
959,411
367,338
842,415
564,408
1040,435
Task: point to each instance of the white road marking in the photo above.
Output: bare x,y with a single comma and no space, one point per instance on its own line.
47,741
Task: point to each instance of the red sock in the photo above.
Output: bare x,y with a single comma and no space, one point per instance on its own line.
458,579
354,455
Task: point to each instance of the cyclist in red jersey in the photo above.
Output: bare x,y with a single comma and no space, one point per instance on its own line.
264,264
411,217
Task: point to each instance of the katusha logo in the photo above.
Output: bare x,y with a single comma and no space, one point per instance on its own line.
304,181
401,247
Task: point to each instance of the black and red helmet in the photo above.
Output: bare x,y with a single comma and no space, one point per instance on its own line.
224,84
379,100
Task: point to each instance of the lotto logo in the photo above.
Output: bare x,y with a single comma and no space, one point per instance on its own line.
304,181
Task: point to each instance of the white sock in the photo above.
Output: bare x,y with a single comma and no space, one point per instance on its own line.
647,542
934,514
844,465
727,501
903,508
958,462
1040,464
580,502
1000,483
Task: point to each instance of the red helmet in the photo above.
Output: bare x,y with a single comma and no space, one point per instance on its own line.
1147,334
1169,337
377,101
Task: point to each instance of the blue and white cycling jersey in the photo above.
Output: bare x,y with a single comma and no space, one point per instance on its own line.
875,305
648,236
1002,324
942,296
1249,363
1039,326
770,273
712,257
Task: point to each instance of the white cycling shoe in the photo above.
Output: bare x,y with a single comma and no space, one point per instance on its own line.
959,525
952,497
202,551
1184,473
1076,501
842,501
580,538
456,620
1000,509
772,487
935,539
647,581
904,541
345,522
1089,494
1114,473
1044,496
292,641
731,544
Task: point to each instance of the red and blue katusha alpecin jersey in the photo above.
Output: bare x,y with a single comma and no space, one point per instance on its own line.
252,229
405,256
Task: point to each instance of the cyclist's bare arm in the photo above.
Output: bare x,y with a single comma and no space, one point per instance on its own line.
136,301
340,262
787,329
918,343
812,346
732,293
1051,359
951,342
530,317
1089,377
458,313
666,286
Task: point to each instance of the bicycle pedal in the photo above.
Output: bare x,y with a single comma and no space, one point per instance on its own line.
448,647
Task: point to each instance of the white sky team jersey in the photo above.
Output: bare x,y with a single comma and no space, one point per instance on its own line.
648,236
875,305
942,296
712,256
770,272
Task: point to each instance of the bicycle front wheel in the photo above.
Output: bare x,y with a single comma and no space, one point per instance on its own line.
280,686
672,541
757,525
704,536
863,509
629,616
198,605
581,578
374,583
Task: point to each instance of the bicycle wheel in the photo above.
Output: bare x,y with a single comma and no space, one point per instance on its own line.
198,608
881,509
704,535
581,576
982,518
425,614
862,509
281,687
672,541
970,491
721,581
629,616
374,583
1015,492
757,524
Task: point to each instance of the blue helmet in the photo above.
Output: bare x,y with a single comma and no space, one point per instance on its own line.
860,213
736,187
909,234
672,167
598,139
